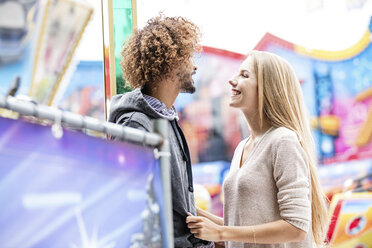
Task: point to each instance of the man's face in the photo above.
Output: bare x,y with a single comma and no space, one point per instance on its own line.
184,76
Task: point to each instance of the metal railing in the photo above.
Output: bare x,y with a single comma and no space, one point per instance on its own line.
78,121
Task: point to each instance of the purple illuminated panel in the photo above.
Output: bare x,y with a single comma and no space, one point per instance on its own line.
77,191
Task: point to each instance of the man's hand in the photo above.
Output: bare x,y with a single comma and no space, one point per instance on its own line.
203,228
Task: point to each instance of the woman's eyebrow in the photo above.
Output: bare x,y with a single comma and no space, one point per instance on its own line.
245,70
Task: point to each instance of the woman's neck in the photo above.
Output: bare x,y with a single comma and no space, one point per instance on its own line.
256,129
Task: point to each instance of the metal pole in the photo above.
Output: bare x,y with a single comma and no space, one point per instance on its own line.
79,121
161,126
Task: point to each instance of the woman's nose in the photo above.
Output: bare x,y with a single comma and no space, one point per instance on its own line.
233,82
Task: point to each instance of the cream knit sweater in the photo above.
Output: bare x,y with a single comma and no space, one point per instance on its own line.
274,183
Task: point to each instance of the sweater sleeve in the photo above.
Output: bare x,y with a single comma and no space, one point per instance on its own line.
291,175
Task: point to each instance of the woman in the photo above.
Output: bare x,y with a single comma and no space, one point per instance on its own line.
272,194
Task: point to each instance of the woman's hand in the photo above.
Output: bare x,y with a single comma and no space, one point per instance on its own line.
198,211
203,228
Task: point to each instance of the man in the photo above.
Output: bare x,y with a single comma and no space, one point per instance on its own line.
158,64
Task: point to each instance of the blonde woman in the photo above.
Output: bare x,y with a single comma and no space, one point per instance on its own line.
272,194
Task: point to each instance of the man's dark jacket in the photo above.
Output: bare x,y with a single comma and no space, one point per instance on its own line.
132,110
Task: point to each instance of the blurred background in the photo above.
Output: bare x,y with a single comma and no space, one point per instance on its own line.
65,54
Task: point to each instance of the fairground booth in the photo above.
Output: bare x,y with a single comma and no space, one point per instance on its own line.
65,183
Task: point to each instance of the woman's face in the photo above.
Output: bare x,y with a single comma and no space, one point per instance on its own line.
244,88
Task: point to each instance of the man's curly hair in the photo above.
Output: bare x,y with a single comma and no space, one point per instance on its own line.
153,52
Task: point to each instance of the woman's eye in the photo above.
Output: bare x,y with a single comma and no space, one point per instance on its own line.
244,74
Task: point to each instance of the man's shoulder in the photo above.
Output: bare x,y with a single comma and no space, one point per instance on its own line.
136,119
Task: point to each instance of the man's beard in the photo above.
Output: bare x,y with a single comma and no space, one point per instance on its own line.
186,83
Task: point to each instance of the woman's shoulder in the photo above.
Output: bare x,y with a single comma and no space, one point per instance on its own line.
280,133
283,136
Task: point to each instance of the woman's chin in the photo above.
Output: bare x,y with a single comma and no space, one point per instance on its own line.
233,104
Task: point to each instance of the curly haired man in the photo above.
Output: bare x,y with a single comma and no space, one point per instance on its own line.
157,62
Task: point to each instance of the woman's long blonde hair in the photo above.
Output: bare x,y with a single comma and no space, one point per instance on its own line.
280,101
